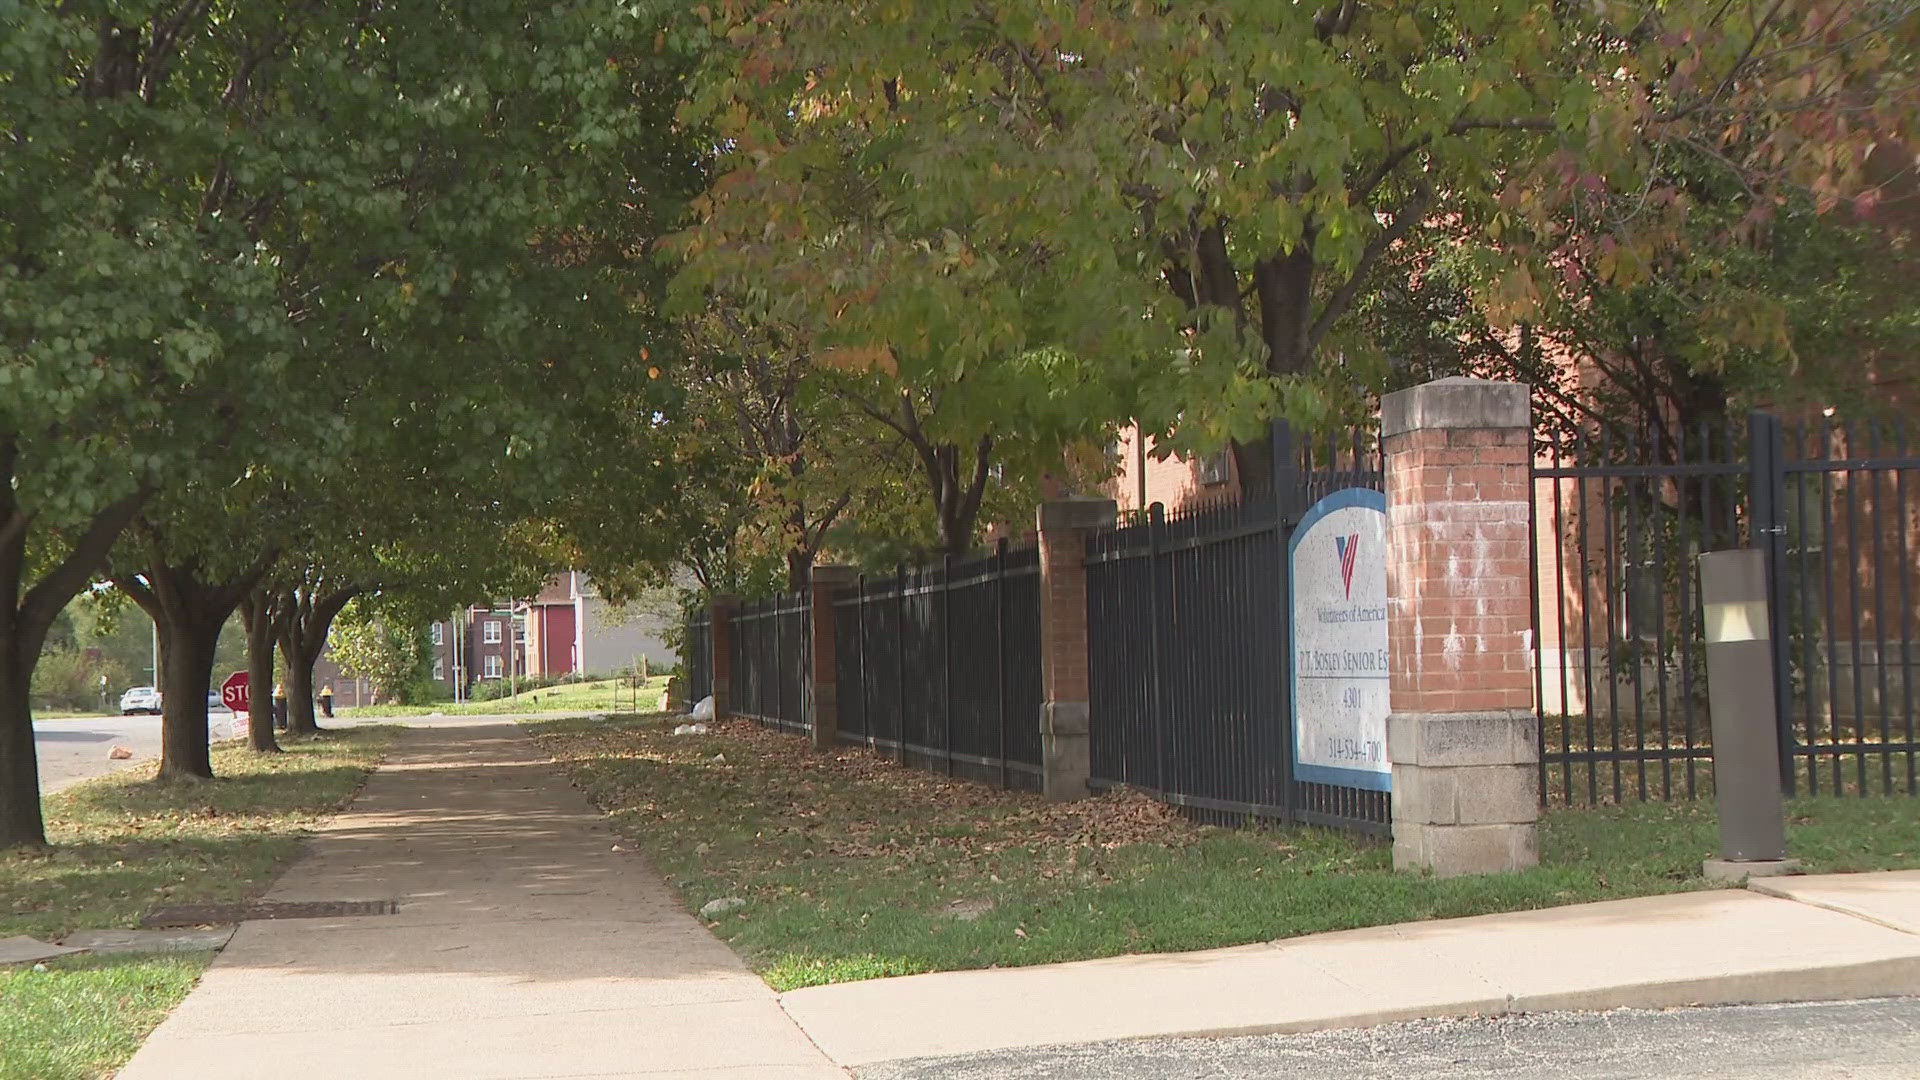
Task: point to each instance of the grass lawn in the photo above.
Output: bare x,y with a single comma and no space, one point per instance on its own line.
85,1015
600,695
854,868
122,844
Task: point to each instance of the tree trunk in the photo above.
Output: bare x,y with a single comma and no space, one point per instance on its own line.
956,529
300,718
956,499
303,637
187,645
292,653
20,821
258,609
800,547
27,609
188,611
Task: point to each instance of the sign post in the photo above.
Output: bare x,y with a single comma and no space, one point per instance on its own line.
233,692
1339,662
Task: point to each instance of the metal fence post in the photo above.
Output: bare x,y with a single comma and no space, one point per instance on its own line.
1286,496
720,665
1000,653
860,624
1766,453
1156,647
900,652
946,659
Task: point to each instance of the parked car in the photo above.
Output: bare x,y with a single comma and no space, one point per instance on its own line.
140,699
214,704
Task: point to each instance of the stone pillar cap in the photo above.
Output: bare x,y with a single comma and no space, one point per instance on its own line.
1077,512
1455,403
833,574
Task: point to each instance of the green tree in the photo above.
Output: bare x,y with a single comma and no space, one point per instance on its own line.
371,644
214,208
1807,309
1193,196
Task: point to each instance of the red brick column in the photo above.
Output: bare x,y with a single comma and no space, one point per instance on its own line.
721,656
1064,712
1462,736
825,673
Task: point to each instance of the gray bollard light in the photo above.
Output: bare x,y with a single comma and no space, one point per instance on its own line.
1746,751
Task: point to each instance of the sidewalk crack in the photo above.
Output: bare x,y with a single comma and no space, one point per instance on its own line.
1779,893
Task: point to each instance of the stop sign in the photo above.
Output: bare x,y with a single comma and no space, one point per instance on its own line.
233,692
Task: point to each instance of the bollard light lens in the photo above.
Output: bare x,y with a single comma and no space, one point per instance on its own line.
1744,620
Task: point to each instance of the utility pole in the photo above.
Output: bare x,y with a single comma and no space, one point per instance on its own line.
459,684
513,644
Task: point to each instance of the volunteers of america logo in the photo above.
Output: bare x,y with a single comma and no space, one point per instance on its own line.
1346,547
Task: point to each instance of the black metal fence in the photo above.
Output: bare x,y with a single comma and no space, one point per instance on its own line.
1189,641
1839,528
697,648
1620,667
940,666
771,649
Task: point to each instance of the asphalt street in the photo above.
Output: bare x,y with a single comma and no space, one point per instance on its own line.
73,750
1852,1040
76,749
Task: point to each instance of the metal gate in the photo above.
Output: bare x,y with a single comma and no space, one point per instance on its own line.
1619,661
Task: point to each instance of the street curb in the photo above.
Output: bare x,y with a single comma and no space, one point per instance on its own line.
1891,978
1716,947
1897,976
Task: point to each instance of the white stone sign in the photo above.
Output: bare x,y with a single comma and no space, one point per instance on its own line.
1338,560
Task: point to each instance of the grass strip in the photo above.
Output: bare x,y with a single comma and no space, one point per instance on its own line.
855,868
84,1016
601,695
123,843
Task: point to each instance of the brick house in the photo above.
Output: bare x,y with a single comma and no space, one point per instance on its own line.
566,628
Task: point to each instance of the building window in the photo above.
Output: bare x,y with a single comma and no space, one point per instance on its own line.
439,666
490,667
439,636
491,632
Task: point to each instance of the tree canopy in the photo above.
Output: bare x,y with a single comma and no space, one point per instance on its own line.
1191,197
245,240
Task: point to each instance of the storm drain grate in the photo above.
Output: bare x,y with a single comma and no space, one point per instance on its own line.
202,914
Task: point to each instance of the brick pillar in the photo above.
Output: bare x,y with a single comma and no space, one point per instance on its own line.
822,584
1462,736
1064,524
720,658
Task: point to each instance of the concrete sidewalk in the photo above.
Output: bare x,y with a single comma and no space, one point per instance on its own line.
1811,939
526,945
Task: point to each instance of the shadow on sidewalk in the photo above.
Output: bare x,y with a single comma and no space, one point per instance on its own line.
500,867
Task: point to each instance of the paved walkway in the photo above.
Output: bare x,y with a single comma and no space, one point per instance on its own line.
1813,939
528,945
525,946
